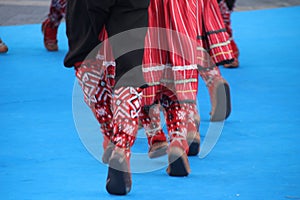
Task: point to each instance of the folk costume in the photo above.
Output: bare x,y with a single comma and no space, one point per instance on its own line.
195,39
85,21
50,25
226,7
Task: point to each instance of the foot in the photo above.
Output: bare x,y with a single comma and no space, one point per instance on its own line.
193,124
236,52
234,64
108,149
158,149
3,47
220,100
50,33
193,139
178,159
178,162
118,180
158,144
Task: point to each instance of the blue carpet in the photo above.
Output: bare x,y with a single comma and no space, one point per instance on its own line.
256,157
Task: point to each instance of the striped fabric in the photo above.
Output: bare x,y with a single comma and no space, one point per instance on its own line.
170,59
182,35
226,12
226,8
212,34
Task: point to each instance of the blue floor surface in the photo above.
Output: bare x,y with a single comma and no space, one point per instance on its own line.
256,157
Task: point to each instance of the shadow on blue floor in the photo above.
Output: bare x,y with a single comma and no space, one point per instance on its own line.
256,157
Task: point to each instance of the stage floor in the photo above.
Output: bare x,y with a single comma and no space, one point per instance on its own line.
42,155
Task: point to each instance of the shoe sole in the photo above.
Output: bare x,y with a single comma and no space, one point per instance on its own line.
4,50
178,164
116,179
3,47
232,65
223,106
194,143
194,148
